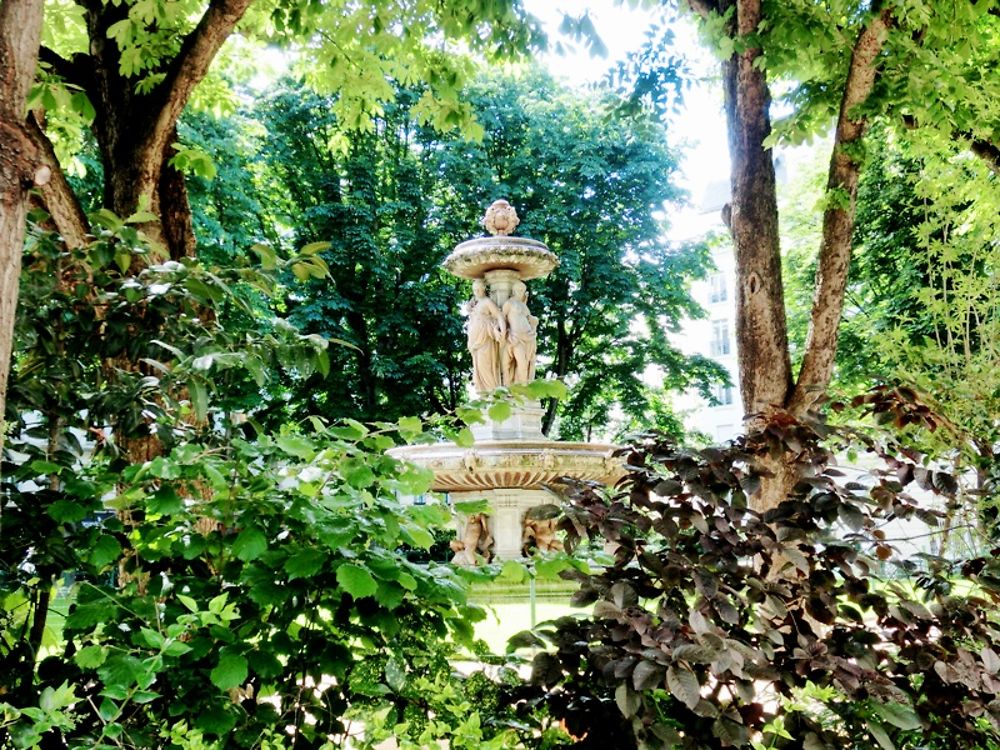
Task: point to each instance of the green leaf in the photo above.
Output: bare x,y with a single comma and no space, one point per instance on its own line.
199,398
90,657
357,473
250,544
165,502
67,511
268,258
314,247
216,720
464,438
418,537
410,426
356,581
513,571
297,446
499,411
471,507
152,638
104,551
880,735
899,715
304,564
230,672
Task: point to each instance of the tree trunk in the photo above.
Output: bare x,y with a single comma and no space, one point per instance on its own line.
20,32
765,373
765,368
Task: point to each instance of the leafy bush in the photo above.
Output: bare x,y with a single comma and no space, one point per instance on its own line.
245,589
720,627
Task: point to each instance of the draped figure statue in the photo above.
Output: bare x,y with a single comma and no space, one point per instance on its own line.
522,337
486,329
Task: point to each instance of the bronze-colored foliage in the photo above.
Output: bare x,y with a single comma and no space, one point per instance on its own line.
718,626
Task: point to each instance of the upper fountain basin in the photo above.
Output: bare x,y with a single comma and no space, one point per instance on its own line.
473,258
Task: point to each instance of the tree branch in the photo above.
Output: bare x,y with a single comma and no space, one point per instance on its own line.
987,151
703,7
838,220
190,66
57,196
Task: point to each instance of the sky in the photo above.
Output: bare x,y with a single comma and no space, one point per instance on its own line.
699,129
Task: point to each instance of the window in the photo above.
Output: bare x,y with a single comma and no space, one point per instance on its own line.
719,346
717,288
723,394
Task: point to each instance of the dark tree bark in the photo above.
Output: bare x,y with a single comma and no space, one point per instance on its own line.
20,32
135,130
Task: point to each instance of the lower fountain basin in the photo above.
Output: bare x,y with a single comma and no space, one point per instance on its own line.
508,464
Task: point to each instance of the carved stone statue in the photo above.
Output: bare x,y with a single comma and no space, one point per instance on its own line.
522,337
539,534
500,218
487,328
476,541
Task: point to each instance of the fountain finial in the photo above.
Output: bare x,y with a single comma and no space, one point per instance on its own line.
500,218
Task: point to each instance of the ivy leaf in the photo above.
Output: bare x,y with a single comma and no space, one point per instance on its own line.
250,544
230,672
356,580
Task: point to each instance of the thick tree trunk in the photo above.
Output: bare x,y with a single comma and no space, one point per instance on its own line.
20,32
765,371
135,131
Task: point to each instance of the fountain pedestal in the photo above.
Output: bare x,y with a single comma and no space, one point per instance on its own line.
511,462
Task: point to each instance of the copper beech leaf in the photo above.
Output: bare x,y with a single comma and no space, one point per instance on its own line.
683,685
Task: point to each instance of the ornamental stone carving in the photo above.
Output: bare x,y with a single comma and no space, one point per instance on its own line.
521,342
476,542
487,330
501,218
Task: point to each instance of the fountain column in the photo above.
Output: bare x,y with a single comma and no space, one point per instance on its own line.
511,461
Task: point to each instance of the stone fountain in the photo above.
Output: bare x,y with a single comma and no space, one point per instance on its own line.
511,461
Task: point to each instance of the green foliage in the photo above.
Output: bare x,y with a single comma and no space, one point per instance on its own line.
717,626
235,583
394,202
593,190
